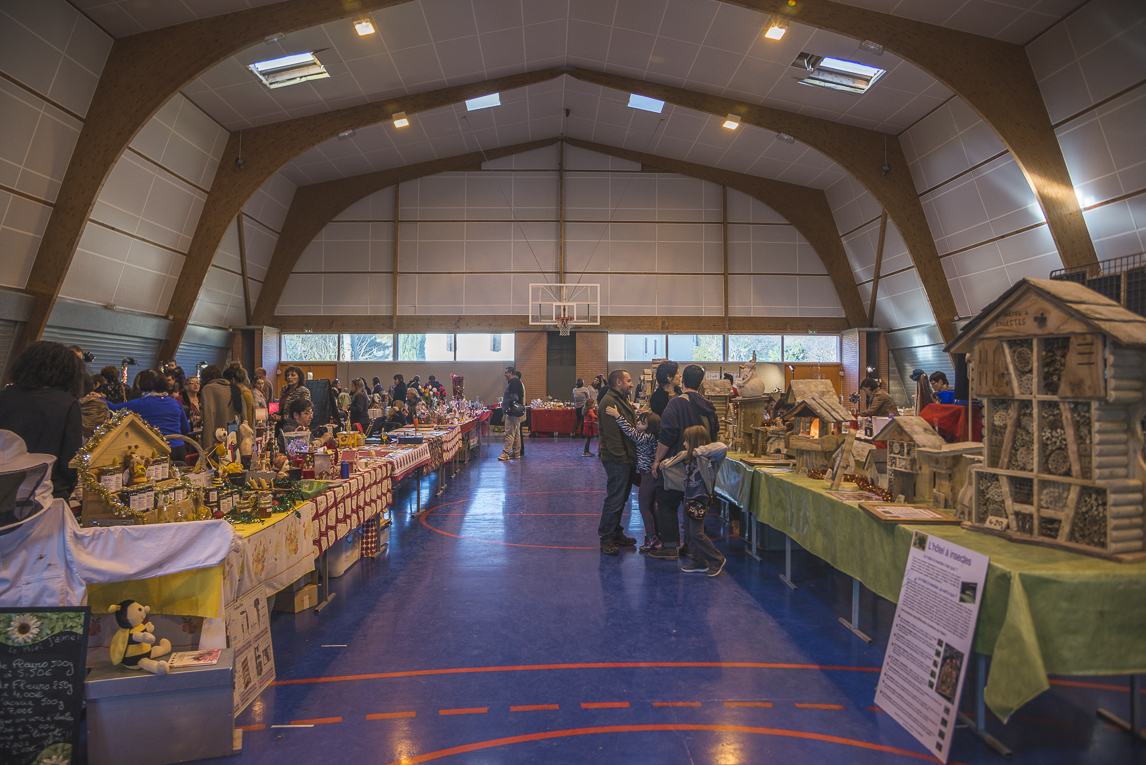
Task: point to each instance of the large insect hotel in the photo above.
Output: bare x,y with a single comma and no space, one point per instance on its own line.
1061,372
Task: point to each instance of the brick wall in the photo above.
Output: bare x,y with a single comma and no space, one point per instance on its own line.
532,349
592,354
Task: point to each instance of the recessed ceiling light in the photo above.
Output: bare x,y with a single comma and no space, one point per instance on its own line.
645,103
364,27
837,73
776,29
289,70
731,122
483,102
274,38
785,138
400,120
346,134
872,47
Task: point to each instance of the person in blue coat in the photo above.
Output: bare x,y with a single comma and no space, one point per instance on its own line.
160,410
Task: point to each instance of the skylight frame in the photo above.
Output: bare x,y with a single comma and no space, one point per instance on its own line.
287,70
837,73
646,104
487,101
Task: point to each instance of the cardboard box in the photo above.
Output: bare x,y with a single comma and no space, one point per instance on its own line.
292,602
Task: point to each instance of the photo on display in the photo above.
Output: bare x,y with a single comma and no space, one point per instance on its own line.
919,542
968,591
949,667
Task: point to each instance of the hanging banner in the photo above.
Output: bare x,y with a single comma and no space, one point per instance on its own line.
926,659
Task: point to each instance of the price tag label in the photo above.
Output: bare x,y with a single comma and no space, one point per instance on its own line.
113,482
227,503
142,502
996,522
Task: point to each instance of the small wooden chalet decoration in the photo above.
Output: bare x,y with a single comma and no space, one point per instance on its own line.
943,472
1061,370
120,468
818,431
718,393
802,390
904,436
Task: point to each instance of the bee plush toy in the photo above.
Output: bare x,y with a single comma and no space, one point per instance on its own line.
134,644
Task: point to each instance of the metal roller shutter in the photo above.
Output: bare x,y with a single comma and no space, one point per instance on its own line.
109,349
190,355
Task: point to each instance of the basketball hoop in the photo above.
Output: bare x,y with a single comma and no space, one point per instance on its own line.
564,325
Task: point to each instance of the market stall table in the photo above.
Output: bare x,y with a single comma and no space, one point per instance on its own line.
553,421
950,420
1029,589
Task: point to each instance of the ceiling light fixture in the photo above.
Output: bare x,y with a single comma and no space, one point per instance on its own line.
645,103
400,120
785,138
872,47
776,29
346,134
289,70
274,38
483,102
364,27
731,122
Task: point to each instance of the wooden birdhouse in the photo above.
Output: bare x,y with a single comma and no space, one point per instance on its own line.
802,390
127,459
904,437
718,393
1062,371
943,472
818,430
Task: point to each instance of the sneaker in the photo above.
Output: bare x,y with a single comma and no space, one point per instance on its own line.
716,571
692,567
503,458
664,553
608,547
646,545
656,542
623,541
586,454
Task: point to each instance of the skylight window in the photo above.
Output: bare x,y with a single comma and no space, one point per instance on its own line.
645,103
289,70
837,73
483,102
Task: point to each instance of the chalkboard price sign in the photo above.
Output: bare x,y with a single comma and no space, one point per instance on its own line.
42,655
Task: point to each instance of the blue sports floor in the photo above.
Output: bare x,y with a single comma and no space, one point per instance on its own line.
493,631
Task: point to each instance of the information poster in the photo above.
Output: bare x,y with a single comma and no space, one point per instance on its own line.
249,634
42,673
926,659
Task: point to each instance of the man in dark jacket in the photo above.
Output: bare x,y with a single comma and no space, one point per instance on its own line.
512,399
618,455
682,412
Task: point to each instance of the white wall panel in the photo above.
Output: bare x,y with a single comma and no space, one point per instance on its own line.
270,203
183,139
22,223
110,267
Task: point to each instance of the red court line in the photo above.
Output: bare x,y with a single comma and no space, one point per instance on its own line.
1095,686
317,721
468,711
426,514
246,728
390,715
669,727
534,708
594,665
604,705
874,709
819,706
766,704
676,703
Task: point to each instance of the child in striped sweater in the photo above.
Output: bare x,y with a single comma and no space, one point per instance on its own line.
644,435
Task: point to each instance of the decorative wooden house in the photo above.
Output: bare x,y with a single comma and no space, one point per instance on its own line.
943,472
802,390
719,393
904,437
818,430
1062,371
115,490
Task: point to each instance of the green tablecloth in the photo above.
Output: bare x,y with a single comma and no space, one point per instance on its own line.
1044,611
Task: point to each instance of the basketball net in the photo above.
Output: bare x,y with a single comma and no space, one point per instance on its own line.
564,325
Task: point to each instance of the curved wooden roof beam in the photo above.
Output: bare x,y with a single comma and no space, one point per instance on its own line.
858,150
318,204
269,148
994,78
141,74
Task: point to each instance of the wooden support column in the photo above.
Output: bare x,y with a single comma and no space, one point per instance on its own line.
243,268
858,150
878,265
142,72
994,78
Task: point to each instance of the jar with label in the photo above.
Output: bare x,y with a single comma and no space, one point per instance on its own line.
111,478
140,500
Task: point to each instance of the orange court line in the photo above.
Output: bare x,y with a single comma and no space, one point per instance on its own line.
676,703
874,709
591,665
766,704
468,711
390,715
317,721
604,705
819,706
534,707
246,728
552,734
1096,686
